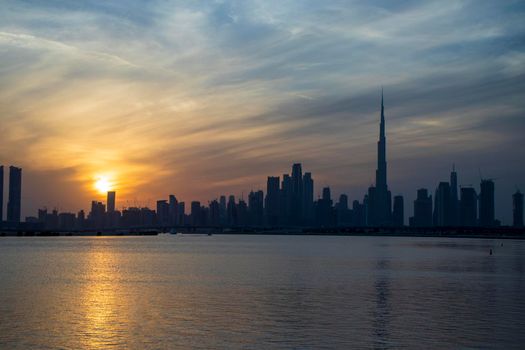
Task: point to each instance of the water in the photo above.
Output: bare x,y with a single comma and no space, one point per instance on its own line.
260,292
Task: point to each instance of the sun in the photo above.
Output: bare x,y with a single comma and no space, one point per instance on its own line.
102,184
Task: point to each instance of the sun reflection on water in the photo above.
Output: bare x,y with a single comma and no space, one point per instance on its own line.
104,307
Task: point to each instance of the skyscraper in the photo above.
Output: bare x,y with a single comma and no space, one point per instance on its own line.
195,213
422,209
272,201
297,194
380,198
286,200
468,207
486,203
454,204
111,202
222,209
325,215
1,194
342,211
163,211
517,209
173,210
15,194
231,210
256,208
398,214
442,208
308,198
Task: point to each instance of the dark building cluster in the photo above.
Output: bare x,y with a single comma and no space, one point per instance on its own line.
289,202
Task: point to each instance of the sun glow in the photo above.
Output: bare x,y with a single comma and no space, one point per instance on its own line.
103,184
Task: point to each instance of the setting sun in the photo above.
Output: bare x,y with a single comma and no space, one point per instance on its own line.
103,185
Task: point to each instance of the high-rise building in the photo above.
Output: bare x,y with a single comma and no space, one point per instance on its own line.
308,198
286,200
342,211
398,214
454,203
195,213
15,194
297,194
231,210
272,201
442,210
222,210
163,211
97,214
486,203
256,208
517,209
173,210
111,202
468,207
181,211
380,198
1,194
325,215
422,209
358,214
214,213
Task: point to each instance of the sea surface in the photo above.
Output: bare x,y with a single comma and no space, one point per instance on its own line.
261,292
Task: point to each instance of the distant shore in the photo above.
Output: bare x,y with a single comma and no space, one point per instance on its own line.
489,233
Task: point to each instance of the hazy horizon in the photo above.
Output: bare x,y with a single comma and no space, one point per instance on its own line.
210,98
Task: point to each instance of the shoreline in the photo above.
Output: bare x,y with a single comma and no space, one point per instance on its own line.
517,235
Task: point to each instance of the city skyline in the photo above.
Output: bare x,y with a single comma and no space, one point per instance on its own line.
287,203
201,99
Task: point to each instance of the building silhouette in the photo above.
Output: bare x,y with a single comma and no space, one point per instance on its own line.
379,197
231,212
1,194
422,209
181,212
111,201
308,198
325,214
15,195
296,213
343,212
163,212
256,208
286,200
517,209
454,202
272,201
468,207
97,215
398,214
442,209
195,213
486,203
173,209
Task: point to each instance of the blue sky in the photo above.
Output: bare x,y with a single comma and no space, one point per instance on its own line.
202,98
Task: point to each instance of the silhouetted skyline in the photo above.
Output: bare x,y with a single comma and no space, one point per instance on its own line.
288,204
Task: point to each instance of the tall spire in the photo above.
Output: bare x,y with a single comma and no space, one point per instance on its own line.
380,197
381,150
382,125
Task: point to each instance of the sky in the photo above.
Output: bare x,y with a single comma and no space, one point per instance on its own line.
203,98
